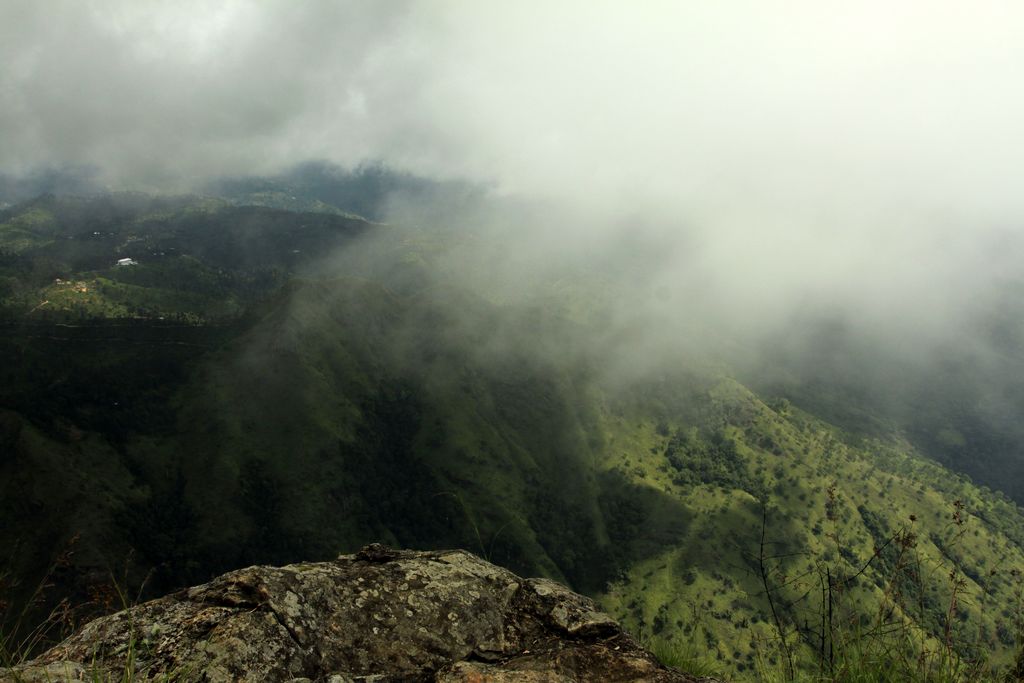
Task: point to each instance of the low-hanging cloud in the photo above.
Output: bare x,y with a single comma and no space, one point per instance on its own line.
804,153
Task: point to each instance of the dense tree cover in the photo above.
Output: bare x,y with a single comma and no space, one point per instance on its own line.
959,402
228,402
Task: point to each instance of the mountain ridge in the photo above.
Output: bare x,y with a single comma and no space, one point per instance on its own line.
349,399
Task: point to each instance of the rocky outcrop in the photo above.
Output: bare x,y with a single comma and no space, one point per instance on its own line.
380,615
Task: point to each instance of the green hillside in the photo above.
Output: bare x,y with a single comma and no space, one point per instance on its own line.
238,403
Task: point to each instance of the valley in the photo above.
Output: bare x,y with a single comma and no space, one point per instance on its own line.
268,385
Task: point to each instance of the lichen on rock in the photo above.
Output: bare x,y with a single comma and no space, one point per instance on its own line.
380,615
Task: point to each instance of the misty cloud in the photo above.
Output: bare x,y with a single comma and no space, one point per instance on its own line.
169,92
801,154
782,104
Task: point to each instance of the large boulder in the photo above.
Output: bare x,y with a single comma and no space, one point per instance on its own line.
380,615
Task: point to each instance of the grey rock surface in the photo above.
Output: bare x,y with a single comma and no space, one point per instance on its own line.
381,615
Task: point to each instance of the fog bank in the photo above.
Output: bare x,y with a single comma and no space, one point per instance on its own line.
777,158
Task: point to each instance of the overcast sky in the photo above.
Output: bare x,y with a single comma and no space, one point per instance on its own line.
771,98
871,146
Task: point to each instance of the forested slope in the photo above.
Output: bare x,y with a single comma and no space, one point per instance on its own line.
302,409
